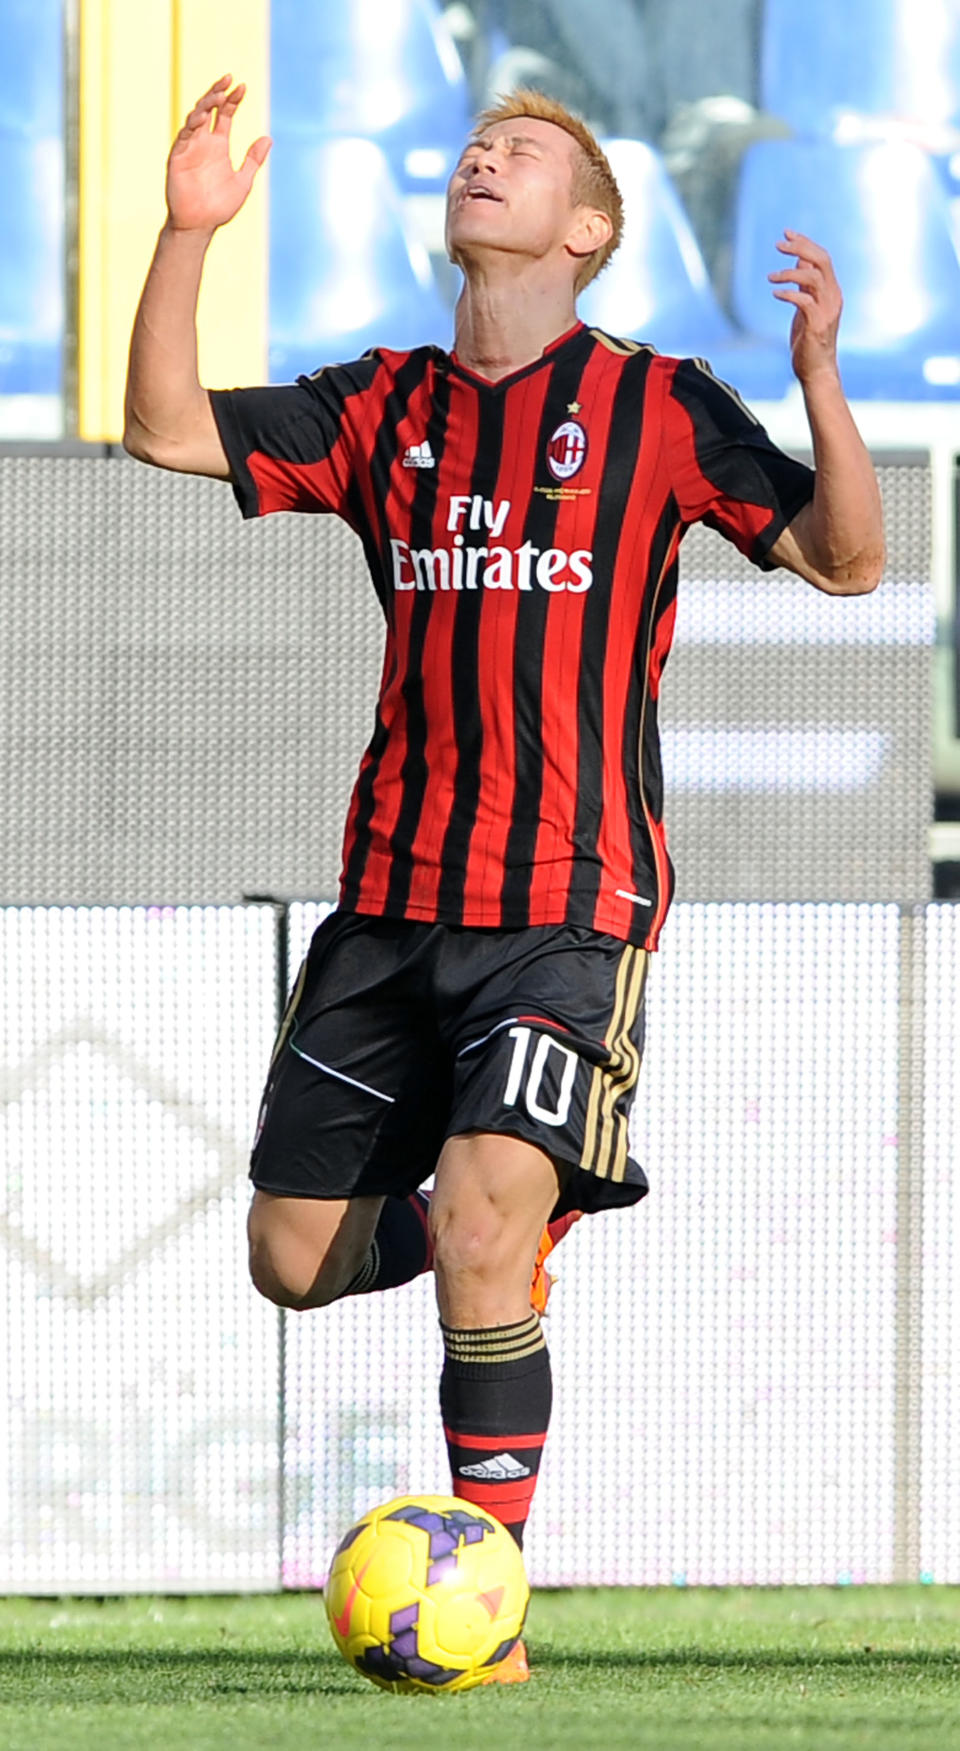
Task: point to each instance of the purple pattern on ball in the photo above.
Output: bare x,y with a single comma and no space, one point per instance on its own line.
446,1533
439,1570
430,1674
402,1659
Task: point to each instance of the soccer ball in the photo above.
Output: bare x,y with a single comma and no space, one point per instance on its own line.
426,1593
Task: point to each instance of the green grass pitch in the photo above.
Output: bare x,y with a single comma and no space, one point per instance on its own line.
738,1670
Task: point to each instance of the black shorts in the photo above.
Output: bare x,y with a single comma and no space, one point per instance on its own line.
400,1034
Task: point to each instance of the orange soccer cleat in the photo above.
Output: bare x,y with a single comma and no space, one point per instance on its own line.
515,1669
543,1280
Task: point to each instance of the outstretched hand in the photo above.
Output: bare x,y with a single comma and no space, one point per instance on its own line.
818,300
203,188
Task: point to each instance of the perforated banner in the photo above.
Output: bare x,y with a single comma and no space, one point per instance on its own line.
138,1369
754,1368
938,1390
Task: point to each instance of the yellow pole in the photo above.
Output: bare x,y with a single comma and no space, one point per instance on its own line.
125,78
212,37
141,67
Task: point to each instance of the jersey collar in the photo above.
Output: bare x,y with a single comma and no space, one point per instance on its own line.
547,357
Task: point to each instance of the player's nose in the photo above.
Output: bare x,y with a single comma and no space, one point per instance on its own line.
489,158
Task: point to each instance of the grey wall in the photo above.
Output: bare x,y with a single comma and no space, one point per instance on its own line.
184,698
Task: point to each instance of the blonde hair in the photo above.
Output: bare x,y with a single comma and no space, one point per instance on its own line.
594,184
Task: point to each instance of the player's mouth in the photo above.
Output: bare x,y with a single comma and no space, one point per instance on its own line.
479,192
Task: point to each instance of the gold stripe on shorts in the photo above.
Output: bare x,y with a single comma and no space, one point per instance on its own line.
605,1133
289,1013
597,1082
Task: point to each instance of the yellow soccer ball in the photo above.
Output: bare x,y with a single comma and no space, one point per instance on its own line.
426,1593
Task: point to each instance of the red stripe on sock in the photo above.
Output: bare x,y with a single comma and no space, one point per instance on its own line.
499,1497
493,1443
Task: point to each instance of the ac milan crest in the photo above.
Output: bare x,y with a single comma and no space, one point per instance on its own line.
567,450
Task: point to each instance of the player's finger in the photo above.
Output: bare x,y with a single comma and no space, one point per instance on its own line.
204,107
212,96
802,300
808,243
227,109
260,150
796,243
198,118
803,275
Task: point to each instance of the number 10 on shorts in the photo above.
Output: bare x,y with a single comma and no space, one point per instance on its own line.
521,1037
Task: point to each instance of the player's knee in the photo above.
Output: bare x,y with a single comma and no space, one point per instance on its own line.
289,1278
473,1246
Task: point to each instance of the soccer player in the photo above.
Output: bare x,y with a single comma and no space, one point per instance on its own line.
474,1007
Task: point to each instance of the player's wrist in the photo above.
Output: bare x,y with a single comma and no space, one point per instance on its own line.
823,378
174,227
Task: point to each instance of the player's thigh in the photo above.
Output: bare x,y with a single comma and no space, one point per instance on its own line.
357,1098
304,1252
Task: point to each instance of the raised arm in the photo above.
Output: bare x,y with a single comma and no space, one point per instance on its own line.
167,416
836,541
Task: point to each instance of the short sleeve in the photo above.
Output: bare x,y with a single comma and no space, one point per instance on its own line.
291,447
726,470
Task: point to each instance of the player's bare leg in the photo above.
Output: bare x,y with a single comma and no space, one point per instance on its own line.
490,1204
306,1252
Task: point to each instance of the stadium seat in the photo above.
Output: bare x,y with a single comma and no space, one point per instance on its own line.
31,197
31,67
881,212
876,57
344,275
31,265
390,74
656,287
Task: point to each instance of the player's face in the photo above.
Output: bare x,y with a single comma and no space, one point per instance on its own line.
512,191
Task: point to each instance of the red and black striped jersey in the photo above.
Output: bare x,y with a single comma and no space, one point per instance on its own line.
522,538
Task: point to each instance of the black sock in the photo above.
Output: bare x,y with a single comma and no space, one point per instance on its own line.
495,1397
400,1249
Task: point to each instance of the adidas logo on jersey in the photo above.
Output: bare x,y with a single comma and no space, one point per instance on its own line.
496,1470
419,456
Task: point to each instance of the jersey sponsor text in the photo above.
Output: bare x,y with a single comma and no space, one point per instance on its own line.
490,567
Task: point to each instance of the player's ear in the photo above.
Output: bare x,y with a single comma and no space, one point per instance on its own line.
590,231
